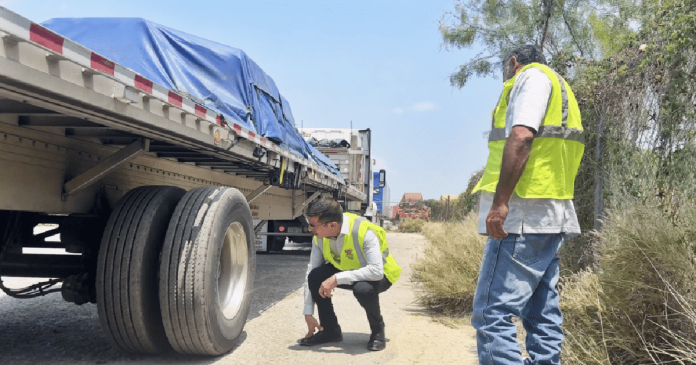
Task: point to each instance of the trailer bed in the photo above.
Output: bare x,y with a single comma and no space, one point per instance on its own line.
51,86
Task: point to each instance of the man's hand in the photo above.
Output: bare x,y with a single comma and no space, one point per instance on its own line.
494,221
312,325
515,156
328,286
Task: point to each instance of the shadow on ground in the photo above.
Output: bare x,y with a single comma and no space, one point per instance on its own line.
353,344
48,330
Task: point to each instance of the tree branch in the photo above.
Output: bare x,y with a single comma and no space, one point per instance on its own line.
549,5
572,35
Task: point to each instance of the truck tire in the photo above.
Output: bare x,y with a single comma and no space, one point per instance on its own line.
207,271
127,269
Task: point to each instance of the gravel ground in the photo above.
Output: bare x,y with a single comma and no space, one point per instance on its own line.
48,330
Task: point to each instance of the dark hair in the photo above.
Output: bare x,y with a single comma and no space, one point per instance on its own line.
328,210
526,55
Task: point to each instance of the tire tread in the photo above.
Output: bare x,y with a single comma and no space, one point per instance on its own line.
124,303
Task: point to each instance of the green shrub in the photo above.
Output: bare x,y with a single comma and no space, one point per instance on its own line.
411,225
448,270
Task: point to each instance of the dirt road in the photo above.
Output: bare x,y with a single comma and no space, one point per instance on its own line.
50,331
413,336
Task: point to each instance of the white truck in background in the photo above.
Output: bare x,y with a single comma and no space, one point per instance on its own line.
351,151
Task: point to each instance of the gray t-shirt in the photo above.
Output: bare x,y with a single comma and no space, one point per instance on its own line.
527,105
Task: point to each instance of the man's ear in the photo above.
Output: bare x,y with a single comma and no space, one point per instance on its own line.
513,62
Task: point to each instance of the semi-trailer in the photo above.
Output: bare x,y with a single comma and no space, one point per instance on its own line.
157,157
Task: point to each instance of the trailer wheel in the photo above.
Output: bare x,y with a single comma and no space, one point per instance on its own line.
207,271
127,282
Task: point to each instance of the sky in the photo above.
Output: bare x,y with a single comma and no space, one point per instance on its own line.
377,64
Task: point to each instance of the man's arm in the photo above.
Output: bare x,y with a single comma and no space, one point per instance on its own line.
515,156
316,258
527,106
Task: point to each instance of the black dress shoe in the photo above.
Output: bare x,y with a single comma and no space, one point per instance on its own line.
377,341
376,344
323,337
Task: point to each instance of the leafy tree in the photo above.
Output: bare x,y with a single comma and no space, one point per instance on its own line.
437,209
566,30
467,202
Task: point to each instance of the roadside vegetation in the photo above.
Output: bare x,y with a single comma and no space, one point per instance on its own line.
635,305
449,266
411,225
628,285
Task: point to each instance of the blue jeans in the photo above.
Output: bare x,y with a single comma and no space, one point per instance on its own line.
518,277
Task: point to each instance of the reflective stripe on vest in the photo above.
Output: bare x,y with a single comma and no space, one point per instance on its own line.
548,131
557,148
355,243
360,253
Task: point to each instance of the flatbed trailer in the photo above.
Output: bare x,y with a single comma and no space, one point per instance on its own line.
157,199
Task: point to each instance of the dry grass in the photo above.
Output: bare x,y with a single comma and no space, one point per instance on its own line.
411,225
583,320
636,306
449,267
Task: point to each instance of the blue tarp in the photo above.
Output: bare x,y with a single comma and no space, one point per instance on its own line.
225,79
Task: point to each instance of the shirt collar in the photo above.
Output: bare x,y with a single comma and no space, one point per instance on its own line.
345,225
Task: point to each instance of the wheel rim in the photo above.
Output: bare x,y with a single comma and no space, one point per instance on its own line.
233,271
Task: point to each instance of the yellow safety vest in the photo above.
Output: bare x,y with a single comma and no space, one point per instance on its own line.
353,256
557,148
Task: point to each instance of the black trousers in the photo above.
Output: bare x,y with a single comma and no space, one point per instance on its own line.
366,292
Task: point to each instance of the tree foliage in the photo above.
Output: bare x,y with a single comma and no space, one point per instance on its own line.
566,30
639,106
632,67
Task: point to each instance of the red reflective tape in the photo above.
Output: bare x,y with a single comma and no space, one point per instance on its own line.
102,64
237,129
46,38
143,84
251,135
218,120
200,111
176,99
263,141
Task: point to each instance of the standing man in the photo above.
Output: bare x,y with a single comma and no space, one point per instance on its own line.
348,252
536,144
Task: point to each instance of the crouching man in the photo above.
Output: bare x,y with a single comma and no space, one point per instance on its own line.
351,253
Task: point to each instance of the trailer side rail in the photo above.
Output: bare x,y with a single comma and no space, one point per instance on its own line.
41,69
